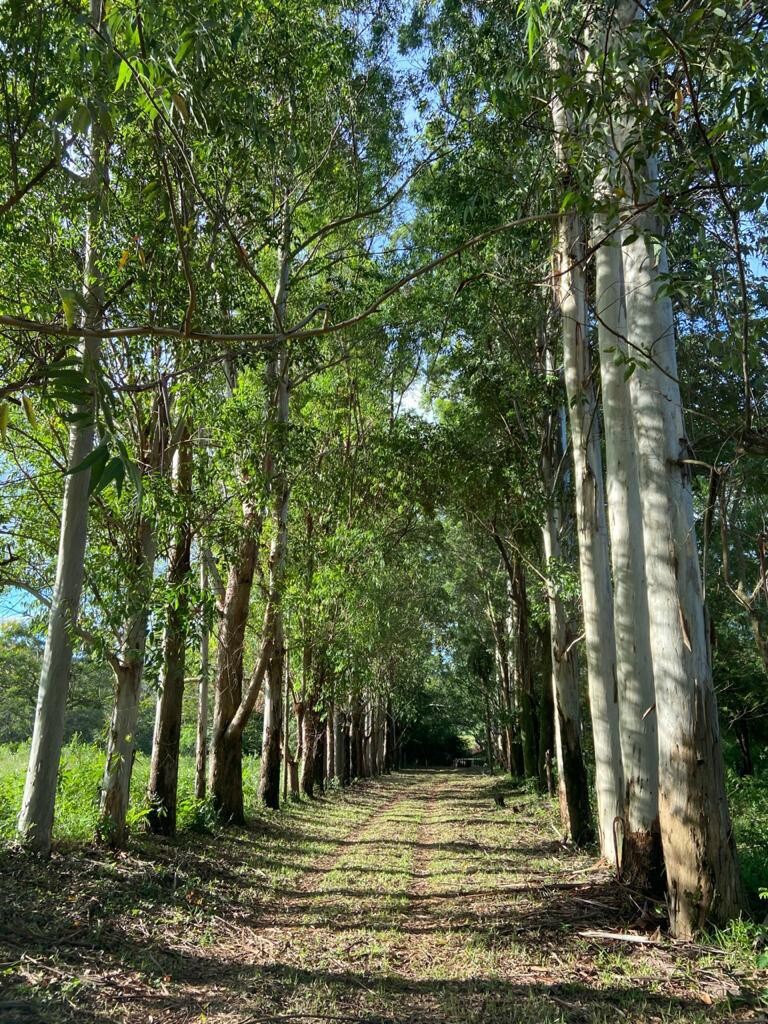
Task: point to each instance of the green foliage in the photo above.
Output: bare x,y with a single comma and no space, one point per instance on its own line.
749,808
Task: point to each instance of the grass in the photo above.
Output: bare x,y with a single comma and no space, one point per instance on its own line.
77,802
411,899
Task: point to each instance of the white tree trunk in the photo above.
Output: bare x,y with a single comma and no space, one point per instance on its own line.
699,851
594,557
37,809
35,823
640,853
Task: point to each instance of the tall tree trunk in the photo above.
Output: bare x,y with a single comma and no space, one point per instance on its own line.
640,852
373,739
389,738
201,741
505,694
269,780
546,711
488,734
35,825
339,746
697,839
641,846
311,722
164,768
594,558
524,672
356,739
226,771
319,765
330,744
286,732
121,742
573,790
277,471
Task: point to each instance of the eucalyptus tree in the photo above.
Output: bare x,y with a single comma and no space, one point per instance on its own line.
695,828
322,204
36,817
569,287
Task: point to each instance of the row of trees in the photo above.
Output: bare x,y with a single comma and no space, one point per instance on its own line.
218,305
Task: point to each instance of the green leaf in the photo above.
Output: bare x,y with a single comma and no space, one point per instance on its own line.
123,76
114,471
70,300
29,412
184,49
99,454
97,467
132,470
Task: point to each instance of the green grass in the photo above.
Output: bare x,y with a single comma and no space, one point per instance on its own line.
77,801
82,765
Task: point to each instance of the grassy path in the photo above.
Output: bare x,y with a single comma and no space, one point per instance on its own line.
412,899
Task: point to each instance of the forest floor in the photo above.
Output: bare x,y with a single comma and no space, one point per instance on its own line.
408,900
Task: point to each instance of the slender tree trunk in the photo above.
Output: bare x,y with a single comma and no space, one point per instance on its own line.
121,742
546,713
37,809
389,739
356,739
309,745
339,746
286,733
276,458
524,672
164,768
226,771
594,558
511,646
573,790
488,736
741,727
201,743
320,753
373,744
269,781
330,744
35,825
697,839
505,693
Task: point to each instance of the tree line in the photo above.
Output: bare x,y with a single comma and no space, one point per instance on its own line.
238,243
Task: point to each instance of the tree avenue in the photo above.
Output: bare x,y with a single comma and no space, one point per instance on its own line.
385,388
